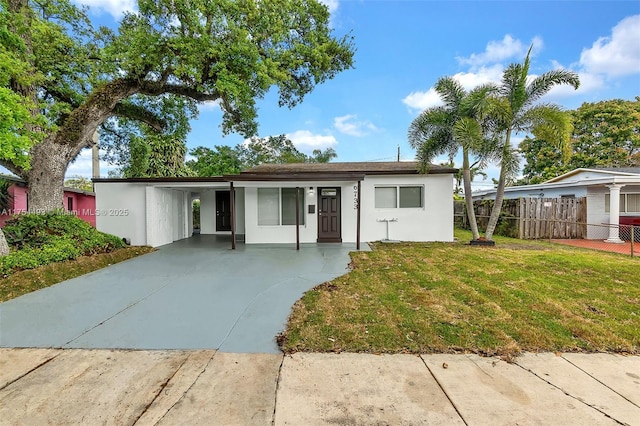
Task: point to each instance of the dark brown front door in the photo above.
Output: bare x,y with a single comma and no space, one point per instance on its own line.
329,229
223,211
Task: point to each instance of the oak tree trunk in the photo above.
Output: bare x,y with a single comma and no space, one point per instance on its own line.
4,247
45,178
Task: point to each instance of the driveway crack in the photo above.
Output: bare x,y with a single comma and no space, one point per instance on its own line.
116,314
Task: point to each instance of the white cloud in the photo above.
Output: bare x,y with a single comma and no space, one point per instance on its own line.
499,51
349,125
332,5
115,8
307,141
209,106
588,83
423,100
82,166
618,54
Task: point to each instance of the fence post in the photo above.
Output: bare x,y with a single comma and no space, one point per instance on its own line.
550,229
633,237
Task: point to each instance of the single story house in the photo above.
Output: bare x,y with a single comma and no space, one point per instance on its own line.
285,203
612,194
79,202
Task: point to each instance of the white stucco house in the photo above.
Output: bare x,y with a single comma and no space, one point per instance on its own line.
612,194
336,202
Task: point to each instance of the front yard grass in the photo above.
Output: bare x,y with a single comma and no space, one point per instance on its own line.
451,297
29,280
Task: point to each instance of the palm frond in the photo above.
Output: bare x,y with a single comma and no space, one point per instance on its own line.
468,133
542,84
451,91
429,122
553,124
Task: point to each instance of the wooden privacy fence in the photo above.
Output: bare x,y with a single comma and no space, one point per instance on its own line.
552,218
533,218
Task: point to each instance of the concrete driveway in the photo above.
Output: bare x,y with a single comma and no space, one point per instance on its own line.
192,294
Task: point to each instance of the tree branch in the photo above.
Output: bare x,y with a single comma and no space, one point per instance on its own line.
153,88
139,113
18,171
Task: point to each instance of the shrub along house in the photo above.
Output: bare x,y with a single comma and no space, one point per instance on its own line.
285,203
78,202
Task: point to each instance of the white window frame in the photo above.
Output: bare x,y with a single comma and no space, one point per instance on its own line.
623,202
397,188
303,219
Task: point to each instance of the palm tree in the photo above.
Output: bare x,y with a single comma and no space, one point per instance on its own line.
516,110
457,124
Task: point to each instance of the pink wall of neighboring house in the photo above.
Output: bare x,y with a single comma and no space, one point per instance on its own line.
83,203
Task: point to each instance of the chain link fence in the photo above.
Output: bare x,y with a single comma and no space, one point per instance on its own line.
624,239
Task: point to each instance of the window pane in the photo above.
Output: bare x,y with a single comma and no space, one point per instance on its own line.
607,204
410,196
386,197
268,209
289,206
633,203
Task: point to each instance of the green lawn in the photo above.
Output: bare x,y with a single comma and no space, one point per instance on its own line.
29,280
451,297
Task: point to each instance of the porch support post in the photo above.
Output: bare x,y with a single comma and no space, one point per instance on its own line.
358,217
614,214
232,199
297,218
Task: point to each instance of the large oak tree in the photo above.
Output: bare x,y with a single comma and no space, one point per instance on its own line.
74,77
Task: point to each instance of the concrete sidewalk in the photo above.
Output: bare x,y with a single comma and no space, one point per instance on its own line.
47,386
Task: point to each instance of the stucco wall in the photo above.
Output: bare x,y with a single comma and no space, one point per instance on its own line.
283,233
121,210
208,211
166,219
432,222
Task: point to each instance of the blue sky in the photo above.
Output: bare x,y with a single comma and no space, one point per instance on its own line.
403,47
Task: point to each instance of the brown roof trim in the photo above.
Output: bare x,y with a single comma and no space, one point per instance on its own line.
350,171
161,179
362,167
302,177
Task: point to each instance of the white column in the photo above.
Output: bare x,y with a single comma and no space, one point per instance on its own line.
614,214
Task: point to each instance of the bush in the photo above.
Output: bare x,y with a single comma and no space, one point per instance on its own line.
40,239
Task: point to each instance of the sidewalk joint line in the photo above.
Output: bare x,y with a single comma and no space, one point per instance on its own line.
162,387
188,389
32,370
569,395
602,383
275,396
455,407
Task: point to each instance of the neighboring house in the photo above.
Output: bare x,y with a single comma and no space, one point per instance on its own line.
337,202
612,194
81,203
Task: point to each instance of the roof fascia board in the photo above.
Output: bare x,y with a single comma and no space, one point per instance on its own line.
610,180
